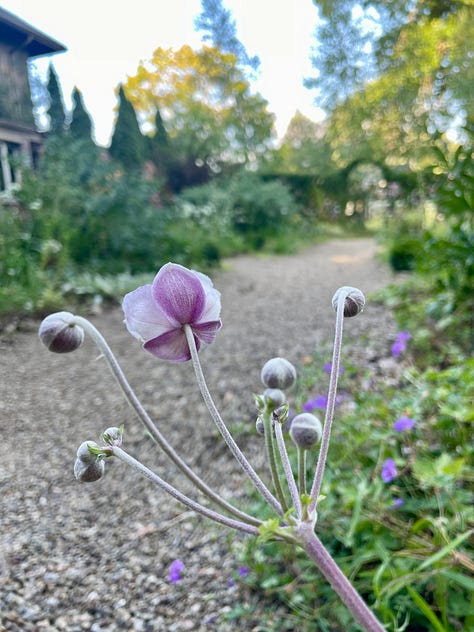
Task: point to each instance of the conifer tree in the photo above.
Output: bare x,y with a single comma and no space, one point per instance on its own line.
128,143
56,108
81,124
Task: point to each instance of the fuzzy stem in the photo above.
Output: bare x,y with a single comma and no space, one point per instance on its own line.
328,419
272,461
339,582
208,513
212,408
287,469
150,426
301,470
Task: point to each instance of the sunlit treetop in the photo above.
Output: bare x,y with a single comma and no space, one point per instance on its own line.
207,106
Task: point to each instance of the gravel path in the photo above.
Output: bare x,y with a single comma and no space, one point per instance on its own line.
79,557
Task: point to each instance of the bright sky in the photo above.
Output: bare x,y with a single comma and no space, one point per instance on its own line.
107,39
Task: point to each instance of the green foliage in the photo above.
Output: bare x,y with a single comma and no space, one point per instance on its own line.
221,31
55,106
410,562
128,144
245,205
209,111
80,126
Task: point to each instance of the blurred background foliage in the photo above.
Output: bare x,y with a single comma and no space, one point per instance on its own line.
195,174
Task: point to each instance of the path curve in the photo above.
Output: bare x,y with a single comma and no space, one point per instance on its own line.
95,557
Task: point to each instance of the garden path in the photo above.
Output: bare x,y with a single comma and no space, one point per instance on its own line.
95,557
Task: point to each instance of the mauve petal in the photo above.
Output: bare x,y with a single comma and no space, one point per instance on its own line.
143,317
170,346
206,332
212,306
179,293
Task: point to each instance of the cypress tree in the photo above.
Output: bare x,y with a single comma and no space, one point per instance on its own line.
81,124
56,107
128,143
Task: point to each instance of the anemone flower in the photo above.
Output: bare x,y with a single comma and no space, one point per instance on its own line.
156,313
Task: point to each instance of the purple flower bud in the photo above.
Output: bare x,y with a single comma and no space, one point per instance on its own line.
59,334
89,472
389,471
259,426
278,373
354,302
305,430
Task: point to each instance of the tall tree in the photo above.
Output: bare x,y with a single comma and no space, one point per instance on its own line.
55,103
128,143
210,114
220,30
80,126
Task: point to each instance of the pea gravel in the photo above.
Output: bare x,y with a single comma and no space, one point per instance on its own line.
95,557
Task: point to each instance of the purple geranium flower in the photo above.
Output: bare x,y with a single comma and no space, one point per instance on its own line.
403,423
328,366
389,471
176,568
156,313
399,346
397,503
243,571
320,401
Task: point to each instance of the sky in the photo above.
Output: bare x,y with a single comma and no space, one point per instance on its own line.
107,39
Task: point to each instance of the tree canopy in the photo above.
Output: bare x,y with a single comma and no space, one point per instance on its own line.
220,30
208,110
80,126
128,144
408,80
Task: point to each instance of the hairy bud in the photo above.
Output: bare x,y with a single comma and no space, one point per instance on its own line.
113,436
354,302
278,373
89,472
306,430
84,454
260,428
274,397
58,333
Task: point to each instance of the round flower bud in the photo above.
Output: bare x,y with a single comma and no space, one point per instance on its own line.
274,396
305,430
354,302
84,454
259,426
89,472
278,373
113,436
59,334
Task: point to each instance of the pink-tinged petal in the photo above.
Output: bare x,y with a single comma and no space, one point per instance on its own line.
206,332
143,317
179,293
170,346
212,307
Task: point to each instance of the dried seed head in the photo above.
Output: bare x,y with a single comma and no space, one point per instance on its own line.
354,302
59,334
278,373
306,430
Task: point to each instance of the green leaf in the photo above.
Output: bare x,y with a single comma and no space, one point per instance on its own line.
445,550
426,610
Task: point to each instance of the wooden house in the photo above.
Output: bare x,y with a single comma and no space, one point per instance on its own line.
20,141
